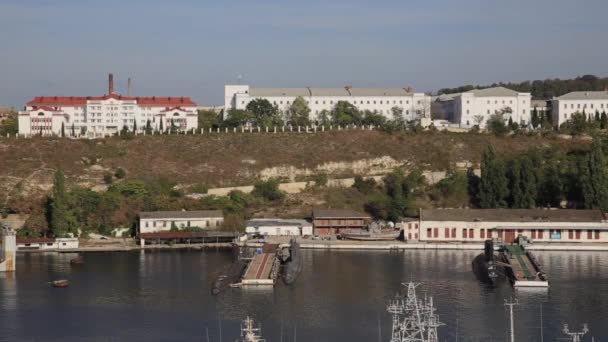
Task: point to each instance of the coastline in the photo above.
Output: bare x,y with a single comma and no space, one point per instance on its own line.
327,245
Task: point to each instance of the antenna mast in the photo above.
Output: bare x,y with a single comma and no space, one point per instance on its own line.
510,305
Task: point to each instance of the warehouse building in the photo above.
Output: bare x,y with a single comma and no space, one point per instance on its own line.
539,225
338,221
278,227
415,106
159,221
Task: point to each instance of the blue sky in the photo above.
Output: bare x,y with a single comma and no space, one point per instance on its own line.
194,47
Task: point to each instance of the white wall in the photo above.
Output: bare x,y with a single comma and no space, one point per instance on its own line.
564,109
158,225
468,106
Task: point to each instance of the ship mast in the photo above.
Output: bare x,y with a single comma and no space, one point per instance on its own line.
414,320
575,336
249,333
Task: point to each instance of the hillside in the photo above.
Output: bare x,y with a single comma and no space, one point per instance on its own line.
27,165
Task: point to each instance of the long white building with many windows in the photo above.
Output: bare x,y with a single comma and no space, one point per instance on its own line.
99,116
415,106
475,107
588,102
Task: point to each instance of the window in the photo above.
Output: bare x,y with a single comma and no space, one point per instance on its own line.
146,224
570,234
471,233
533,235
578,234
464,233
436,233
416,226
429,232
540,234
482,233
446,233
164,223
453,233
597,234
409,226
589,235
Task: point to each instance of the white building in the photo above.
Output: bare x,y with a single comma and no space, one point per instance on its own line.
278,227
47,243
99,116
540,225
159,221
415,106
588,102
476,106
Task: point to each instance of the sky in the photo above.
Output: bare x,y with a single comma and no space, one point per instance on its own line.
194,47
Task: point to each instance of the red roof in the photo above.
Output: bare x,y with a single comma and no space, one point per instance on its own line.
35,240
150,101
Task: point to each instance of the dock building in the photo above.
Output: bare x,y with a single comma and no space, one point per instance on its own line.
100,116
539,225
163,221
415,106
337,221
278,227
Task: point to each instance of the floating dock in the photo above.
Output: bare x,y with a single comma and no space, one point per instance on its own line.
523,268
261,271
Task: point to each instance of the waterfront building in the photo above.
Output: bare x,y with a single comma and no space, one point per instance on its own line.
336,221
278,227
47,243
100,116
587,102
415,106
476,106
539,225
159,221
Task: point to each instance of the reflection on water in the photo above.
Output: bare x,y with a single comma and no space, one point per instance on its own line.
340,296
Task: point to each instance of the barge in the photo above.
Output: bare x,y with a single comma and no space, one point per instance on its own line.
522,267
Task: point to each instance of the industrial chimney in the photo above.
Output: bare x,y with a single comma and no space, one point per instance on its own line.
129,85
110,84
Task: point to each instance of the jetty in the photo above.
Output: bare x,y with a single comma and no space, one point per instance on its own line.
261,271
523,268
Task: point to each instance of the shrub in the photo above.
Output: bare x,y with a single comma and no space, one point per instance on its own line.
268,190
365,186
320,179
108,178
120,173
199,188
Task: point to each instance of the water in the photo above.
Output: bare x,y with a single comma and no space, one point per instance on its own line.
340,296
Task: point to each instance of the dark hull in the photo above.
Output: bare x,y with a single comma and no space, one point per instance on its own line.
488,273
232,275
294,265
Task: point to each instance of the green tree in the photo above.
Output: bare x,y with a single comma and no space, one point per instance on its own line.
208,119
62,130
515,184
134,126
535,119
364,186
493,185
58,206
373,118
496,124
604,120
528,184
10,124
550,189
148,127
264,113
120,173
345,113
236,118
594,179
576,125
73,130
324,118
268,189
298,113
160,126
393,183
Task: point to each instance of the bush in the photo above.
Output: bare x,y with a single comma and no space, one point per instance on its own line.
108,178
120,173
364,186
320,179
199,188
268,190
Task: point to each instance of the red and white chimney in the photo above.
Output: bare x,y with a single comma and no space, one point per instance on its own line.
110,84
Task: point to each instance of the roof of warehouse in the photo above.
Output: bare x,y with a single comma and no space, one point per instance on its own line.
491,92
151,101
338,213
585,95
180,214
277,222
512,215
330,92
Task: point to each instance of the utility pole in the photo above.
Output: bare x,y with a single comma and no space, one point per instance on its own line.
576,336
510,305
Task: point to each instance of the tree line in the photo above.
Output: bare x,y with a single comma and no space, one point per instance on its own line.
542,89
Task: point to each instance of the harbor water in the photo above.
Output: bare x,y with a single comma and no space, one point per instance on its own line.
339,296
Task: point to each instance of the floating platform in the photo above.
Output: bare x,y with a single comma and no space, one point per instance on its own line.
523,268
261,271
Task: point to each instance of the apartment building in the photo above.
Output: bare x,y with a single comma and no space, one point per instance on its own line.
588,102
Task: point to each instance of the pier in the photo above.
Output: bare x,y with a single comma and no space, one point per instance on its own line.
262,270
524,269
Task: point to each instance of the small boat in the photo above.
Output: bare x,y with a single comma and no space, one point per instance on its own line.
60,283
385,235
77,260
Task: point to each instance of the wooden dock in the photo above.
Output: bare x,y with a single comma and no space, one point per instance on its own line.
261,270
